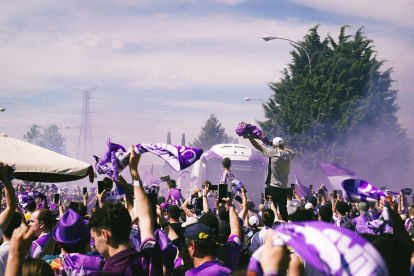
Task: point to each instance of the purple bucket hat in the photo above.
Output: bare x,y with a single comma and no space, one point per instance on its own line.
71,228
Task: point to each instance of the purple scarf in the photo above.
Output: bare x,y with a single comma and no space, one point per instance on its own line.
245,129
331,250
178,157
357,190
27,197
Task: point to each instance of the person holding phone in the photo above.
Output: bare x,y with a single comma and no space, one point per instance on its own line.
280,159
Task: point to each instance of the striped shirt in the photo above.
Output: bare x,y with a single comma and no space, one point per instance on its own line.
344,222
227,177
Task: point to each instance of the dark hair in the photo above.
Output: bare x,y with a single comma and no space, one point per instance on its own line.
171,183
206,183
205,247
268,217
161,200
211,221
301,215
35,267
289,193
15,222
326,213
174,212
76,247
226,163
113,217
342,207
82,210
223,213
31,206
108,182
395,252
47,218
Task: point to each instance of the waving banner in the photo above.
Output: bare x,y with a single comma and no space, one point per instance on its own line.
331,250
336,174
27,197
245,129
178,157
300,189
357,190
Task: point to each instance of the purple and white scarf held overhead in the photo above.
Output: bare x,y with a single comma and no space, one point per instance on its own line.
178,157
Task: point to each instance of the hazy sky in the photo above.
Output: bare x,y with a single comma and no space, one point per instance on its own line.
165,66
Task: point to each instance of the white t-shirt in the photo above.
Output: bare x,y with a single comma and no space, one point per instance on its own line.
292,205
4,254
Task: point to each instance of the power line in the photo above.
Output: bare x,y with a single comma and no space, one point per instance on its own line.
85,133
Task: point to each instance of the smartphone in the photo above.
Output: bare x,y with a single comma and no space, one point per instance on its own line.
74,206
238,199
56,198
311,187
222,191
213,187
229,195
267,192
292,186
85,190
250,234
101,187
335,192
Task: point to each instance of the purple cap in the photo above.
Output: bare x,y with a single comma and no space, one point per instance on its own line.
71,228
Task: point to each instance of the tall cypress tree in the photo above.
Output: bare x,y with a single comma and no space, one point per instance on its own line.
343,112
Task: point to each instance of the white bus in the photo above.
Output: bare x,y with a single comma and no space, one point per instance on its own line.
248,166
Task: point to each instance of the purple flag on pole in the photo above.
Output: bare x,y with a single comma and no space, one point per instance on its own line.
178,157
357,190
331,250
27,197
336,174
300,189
245,129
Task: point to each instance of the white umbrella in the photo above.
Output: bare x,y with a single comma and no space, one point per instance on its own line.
38,164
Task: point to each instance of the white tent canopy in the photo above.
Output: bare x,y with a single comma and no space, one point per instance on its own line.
38,164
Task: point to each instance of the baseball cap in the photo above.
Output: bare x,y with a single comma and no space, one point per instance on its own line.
196,231
278,141
309,206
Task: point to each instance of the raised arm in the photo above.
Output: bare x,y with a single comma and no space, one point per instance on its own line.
297,197
205,202
255,144
234,220
128,194
166,227
11,203
143,212
272,206
243,212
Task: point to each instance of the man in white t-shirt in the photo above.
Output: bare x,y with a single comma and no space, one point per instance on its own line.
293,204
259,238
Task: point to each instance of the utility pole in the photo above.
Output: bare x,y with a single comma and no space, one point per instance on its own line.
85,135
183,140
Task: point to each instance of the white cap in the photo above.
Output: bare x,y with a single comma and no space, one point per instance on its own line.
254,220
189,221
309,205
277,141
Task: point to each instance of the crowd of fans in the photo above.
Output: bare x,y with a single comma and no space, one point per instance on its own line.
144,233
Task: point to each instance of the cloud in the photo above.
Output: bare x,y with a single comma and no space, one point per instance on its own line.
395,12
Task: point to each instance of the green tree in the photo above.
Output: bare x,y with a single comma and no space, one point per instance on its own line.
343,112
212,133
50,139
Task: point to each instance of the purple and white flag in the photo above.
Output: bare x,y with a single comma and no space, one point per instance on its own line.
331,250
336,174
27,197
245,129
178,157
357,190
300,189
237,185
